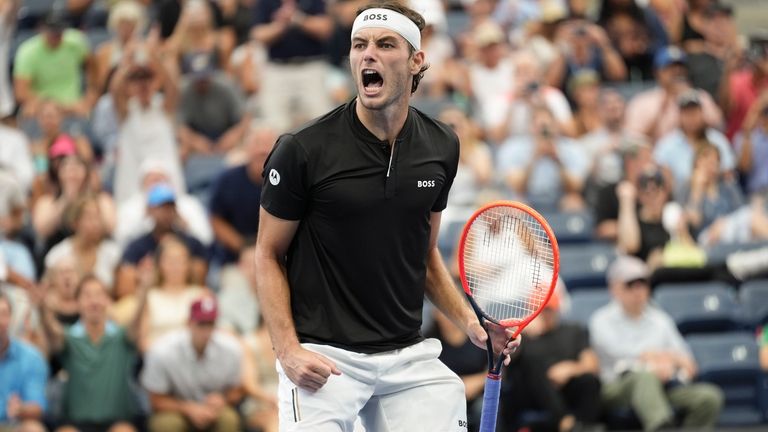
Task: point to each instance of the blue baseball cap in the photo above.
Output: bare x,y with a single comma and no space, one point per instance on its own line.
160,194
668,56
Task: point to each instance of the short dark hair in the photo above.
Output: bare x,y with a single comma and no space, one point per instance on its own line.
410,14
88,278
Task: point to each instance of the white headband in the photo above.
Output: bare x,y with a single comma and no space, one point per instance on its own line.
389,19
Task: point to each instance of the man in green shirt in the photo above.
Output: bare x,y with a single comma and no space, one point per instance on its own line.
51,66
99,357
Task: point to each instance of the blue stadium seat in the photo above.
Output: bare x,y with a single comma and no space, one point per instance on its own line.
572,227
717,255
583,265
753,296
700,307
97,36
586,302
731,361
32,12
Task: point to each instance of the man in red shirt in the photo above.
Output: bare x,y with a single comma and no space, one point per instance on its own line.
741,88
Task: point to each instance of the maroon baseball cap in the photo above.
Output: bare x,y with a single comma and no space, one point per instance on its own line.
204,309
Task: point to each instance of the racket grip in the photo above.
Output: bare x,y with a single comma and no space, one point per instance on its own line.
490,403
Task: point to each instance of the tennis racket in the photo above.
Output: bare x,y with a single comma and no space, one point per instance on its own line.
508,264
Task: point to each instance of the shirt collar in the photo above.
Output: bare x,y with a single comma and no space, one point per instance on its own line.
363,133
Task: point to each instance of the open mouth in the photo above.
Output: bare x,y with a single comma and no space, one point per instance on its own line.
372,79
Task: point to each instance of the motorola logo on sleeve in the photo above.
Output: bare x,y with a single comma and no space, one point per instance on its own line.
274,177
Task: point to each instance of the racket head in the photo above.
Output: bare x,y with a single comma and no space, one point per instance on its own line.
509,263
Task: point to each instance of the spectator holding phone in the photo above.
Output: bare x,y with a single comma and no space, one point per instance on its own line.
752,147
655,112
544,168
584,45
741,88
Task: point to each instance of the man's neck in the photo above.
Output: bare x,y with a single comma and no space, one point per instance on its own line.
158,233
95,330
384,124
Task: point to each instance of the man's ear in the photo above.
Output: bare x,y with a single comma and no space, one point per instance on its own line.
417,61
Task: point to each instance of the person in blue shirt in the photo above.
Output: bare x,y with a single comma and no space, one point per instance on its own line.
23,374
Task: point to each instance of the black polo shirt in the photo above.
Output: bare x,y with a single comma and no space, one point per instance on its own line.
357,264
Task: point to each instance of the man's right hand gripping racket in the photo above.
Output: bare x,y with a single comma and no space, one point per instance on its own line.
508,263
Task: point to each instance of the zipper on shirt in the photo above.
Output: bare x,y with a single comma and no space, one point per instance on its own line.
390,180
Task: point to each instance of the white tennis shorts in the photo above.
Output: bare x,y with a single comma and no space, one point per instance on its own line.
403,390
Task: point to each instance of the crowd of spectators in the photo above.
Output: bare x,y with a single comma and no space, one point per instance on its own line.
133,134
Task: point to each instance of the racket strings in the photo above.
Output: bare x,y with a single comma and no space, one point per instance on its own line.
508,263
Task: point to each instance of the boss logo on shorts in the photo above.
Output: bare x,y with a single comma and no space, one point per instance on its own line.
425,183
378,17
463,424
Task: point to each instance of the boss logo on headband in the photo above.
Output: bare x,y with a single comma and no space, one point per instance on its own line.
378,17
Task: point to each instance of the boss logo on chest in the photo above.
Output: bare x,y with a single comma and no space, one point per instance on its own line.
425,183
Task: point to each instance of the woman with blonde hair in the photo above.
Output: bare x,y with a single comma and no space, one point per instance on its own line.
169,302
195,39
126,23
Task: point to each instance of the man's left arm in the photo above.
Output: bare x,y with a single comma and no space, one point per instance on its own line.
443,293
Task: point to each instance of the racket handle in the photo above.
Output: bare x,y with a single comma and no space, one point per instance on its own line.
490,403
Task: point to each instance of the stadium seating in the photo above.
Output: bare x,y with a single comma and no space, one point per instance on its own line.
700,307
572,227
718,254
584,303
753,297
730,360
584,265
32,12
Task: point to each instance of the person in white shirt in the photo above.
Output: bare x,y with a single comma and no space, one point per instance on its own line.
14,152
193,376
644,362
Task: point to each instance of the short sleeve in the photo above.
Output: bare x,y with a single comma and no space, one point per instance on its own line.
576,161
23,64
133,253
727,156
285,190
581,338
80,44
153,377
442,200
217,204
33,390
196,248
764,337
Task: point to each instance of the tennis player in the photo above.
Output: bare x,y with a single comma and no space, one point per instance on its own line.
347,249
